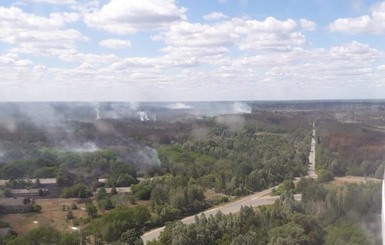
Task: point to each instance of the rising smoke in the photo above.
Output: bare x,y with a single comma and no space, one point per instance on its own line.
180,106
97,111
148,156
82,147
241,108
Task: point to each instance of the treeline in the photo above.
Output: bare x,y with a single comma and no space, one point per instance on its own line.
232,156
326,215
71,167
238,162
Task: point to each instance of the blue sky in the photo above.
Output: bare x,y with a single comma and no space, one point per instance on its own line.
152,50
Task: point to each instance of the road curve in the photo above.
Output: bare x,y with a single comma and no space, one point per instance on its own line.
254,200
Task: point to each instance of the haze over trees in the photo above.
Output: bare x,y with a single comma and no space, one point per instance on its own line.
181,164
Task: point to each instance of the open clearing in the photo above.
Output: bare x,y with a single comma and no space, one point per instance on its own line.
51,214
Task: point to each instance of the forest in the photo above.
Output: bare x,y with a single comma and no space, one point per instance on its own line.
182,164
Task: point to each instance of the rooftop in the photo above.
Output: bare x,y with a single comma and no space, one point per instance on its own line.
11,201
43,181
23,191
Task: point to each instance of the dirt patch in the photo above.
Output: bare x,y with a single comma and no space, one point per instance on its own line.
51,214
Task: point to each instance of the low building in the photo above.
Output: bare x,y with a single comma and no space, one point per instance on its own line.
43,181
16,205
29,192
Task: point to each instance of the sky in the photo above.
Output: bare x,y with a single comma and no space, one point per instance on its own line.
190,50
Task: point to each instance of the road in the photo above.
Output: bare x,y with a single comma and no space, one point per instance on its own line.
254,200
311,171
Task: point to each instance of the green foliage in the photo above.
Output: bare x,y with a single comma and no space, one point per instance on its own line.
346,234
324,175
323,217
113,224
288,234
78,190
142,190
103,199
121,174
46,172
132,236
70,215
91,210
286,186
43,235
3,224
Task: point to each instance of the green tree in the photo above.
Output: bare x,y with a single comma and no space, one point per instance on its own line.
345,234
91,210
44,235
132,236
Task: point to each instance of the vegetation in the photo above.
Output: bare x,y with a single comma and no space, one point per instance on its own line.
180,167
323,217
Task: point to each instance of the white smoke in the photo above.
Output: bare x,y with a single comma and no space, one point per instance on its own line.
143,116
85,147
147,157
134,105
42,115
180,106
241,108
232,122
97,110
8,124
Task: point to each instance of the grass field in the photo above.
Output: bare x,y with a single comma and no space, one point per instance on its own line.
51,214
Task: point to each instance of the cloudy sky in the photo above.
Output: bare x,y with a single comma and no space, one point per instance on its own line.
151,50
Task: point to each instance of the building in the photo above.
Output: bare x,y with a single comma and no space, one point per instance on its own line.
29,192
16,205
45,182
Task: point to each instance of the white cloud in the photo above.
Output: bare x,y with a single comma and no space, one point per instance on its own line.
38,35
215,16
50,1
370,24
115,43
270,34
186,39
62,18
13,60
125,17
307,25
381,67
297,73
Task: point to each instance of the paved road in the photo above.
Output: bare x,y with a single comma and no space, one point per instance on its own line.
255,200
311,172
